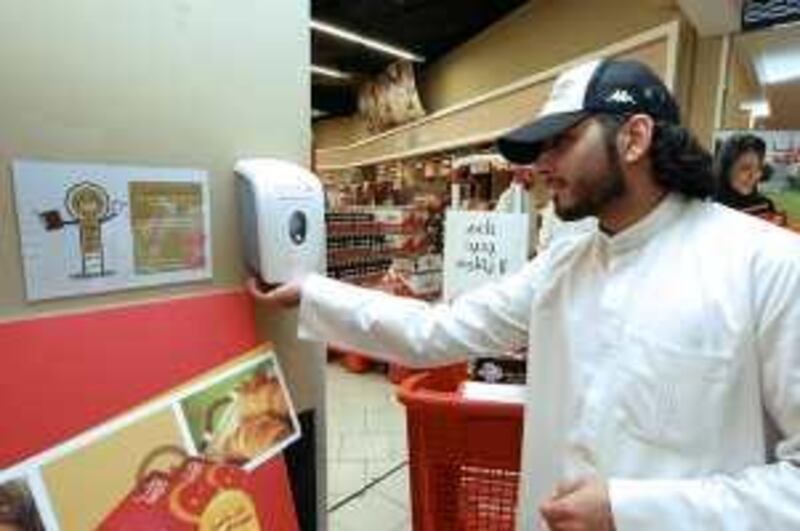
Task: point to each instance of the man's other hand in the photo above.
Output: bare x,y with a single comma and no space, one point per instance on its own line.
581,505
283,296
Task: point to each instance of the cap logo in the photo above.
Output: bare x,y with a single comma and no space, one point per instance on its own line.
621,96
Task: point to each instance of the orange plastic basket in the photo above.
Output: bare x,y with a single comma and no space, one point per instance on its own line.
464,456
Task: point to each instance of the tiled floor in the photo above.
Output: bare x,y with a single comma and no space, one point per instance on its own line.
367,461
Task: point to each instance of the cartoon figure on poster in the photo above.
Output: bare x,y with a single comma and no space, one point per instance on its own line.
89,207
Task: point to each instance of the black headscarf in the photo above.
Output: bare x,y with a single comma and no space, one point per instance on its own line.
727,156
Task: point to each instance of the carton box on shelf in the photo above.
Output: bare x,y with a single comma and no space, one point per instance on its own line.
419,264
423,284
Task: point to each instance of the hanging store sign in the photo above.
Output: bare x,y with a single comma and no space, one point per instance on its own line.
757,14
480,247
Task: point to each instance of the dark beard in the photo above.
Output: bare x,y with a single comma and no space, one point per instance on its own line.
606,189
610,187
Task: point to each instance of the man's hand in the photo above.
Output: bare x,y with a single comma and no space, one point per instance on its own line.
284,296
581,505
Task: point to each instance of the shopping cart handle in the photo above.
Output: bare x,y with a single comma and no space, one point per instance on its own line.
440,391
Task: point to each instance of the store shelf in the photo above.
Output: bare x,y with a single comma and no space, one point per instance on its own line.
484,118
355,254
364,242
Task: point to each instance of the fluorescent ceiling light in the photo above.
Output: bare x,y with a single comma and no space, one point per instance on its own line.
757,108
373,44
329,72
778,65
316,113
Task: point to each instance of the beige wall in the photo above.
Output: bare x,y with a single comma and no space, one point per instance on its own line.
784,99
339,131
742,86
539,35
703,79
149,82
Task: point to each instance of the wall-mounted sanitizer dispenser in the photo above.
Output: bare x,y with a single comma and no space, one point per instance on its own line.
282,219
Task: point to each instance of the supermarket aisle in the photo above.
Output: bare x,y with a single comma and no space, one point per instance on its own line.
367,461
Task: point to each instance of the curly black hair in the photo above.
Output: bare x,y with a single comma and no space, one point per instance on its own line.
680,162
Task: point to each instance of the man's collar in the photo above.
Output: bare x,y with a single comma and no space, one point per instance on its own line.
666,212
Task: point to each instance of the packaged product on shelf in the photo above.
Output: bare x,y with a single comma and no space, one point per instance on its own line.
420,218
430,262
446,167
418,264
383,192
431,169
425,284
506,370
389,218
407,244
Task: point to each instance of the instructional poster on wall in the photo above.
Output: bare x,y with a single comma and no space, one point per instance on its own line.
480,247
92,228
194,459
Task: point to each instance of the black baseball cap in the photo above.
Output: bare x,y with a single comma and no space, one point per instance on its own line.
607,86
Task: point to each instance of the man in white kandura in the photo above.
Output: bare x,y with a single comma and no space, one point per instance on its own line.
664,366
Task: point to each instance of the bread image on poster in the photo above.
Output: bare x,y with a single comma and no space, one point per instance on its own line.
243,419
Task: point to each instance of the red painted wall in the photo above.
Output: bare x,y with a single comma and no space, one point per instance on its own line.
64,374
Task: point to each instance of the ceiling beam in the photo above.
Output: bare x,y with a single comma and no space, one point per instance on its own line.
713,17
367,42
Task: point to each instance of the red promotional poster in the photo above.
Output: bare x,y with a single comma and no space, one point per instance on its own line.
195,495
205,456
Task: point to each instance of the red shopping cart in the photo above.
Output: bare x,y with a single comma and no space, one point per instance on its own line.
464,456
